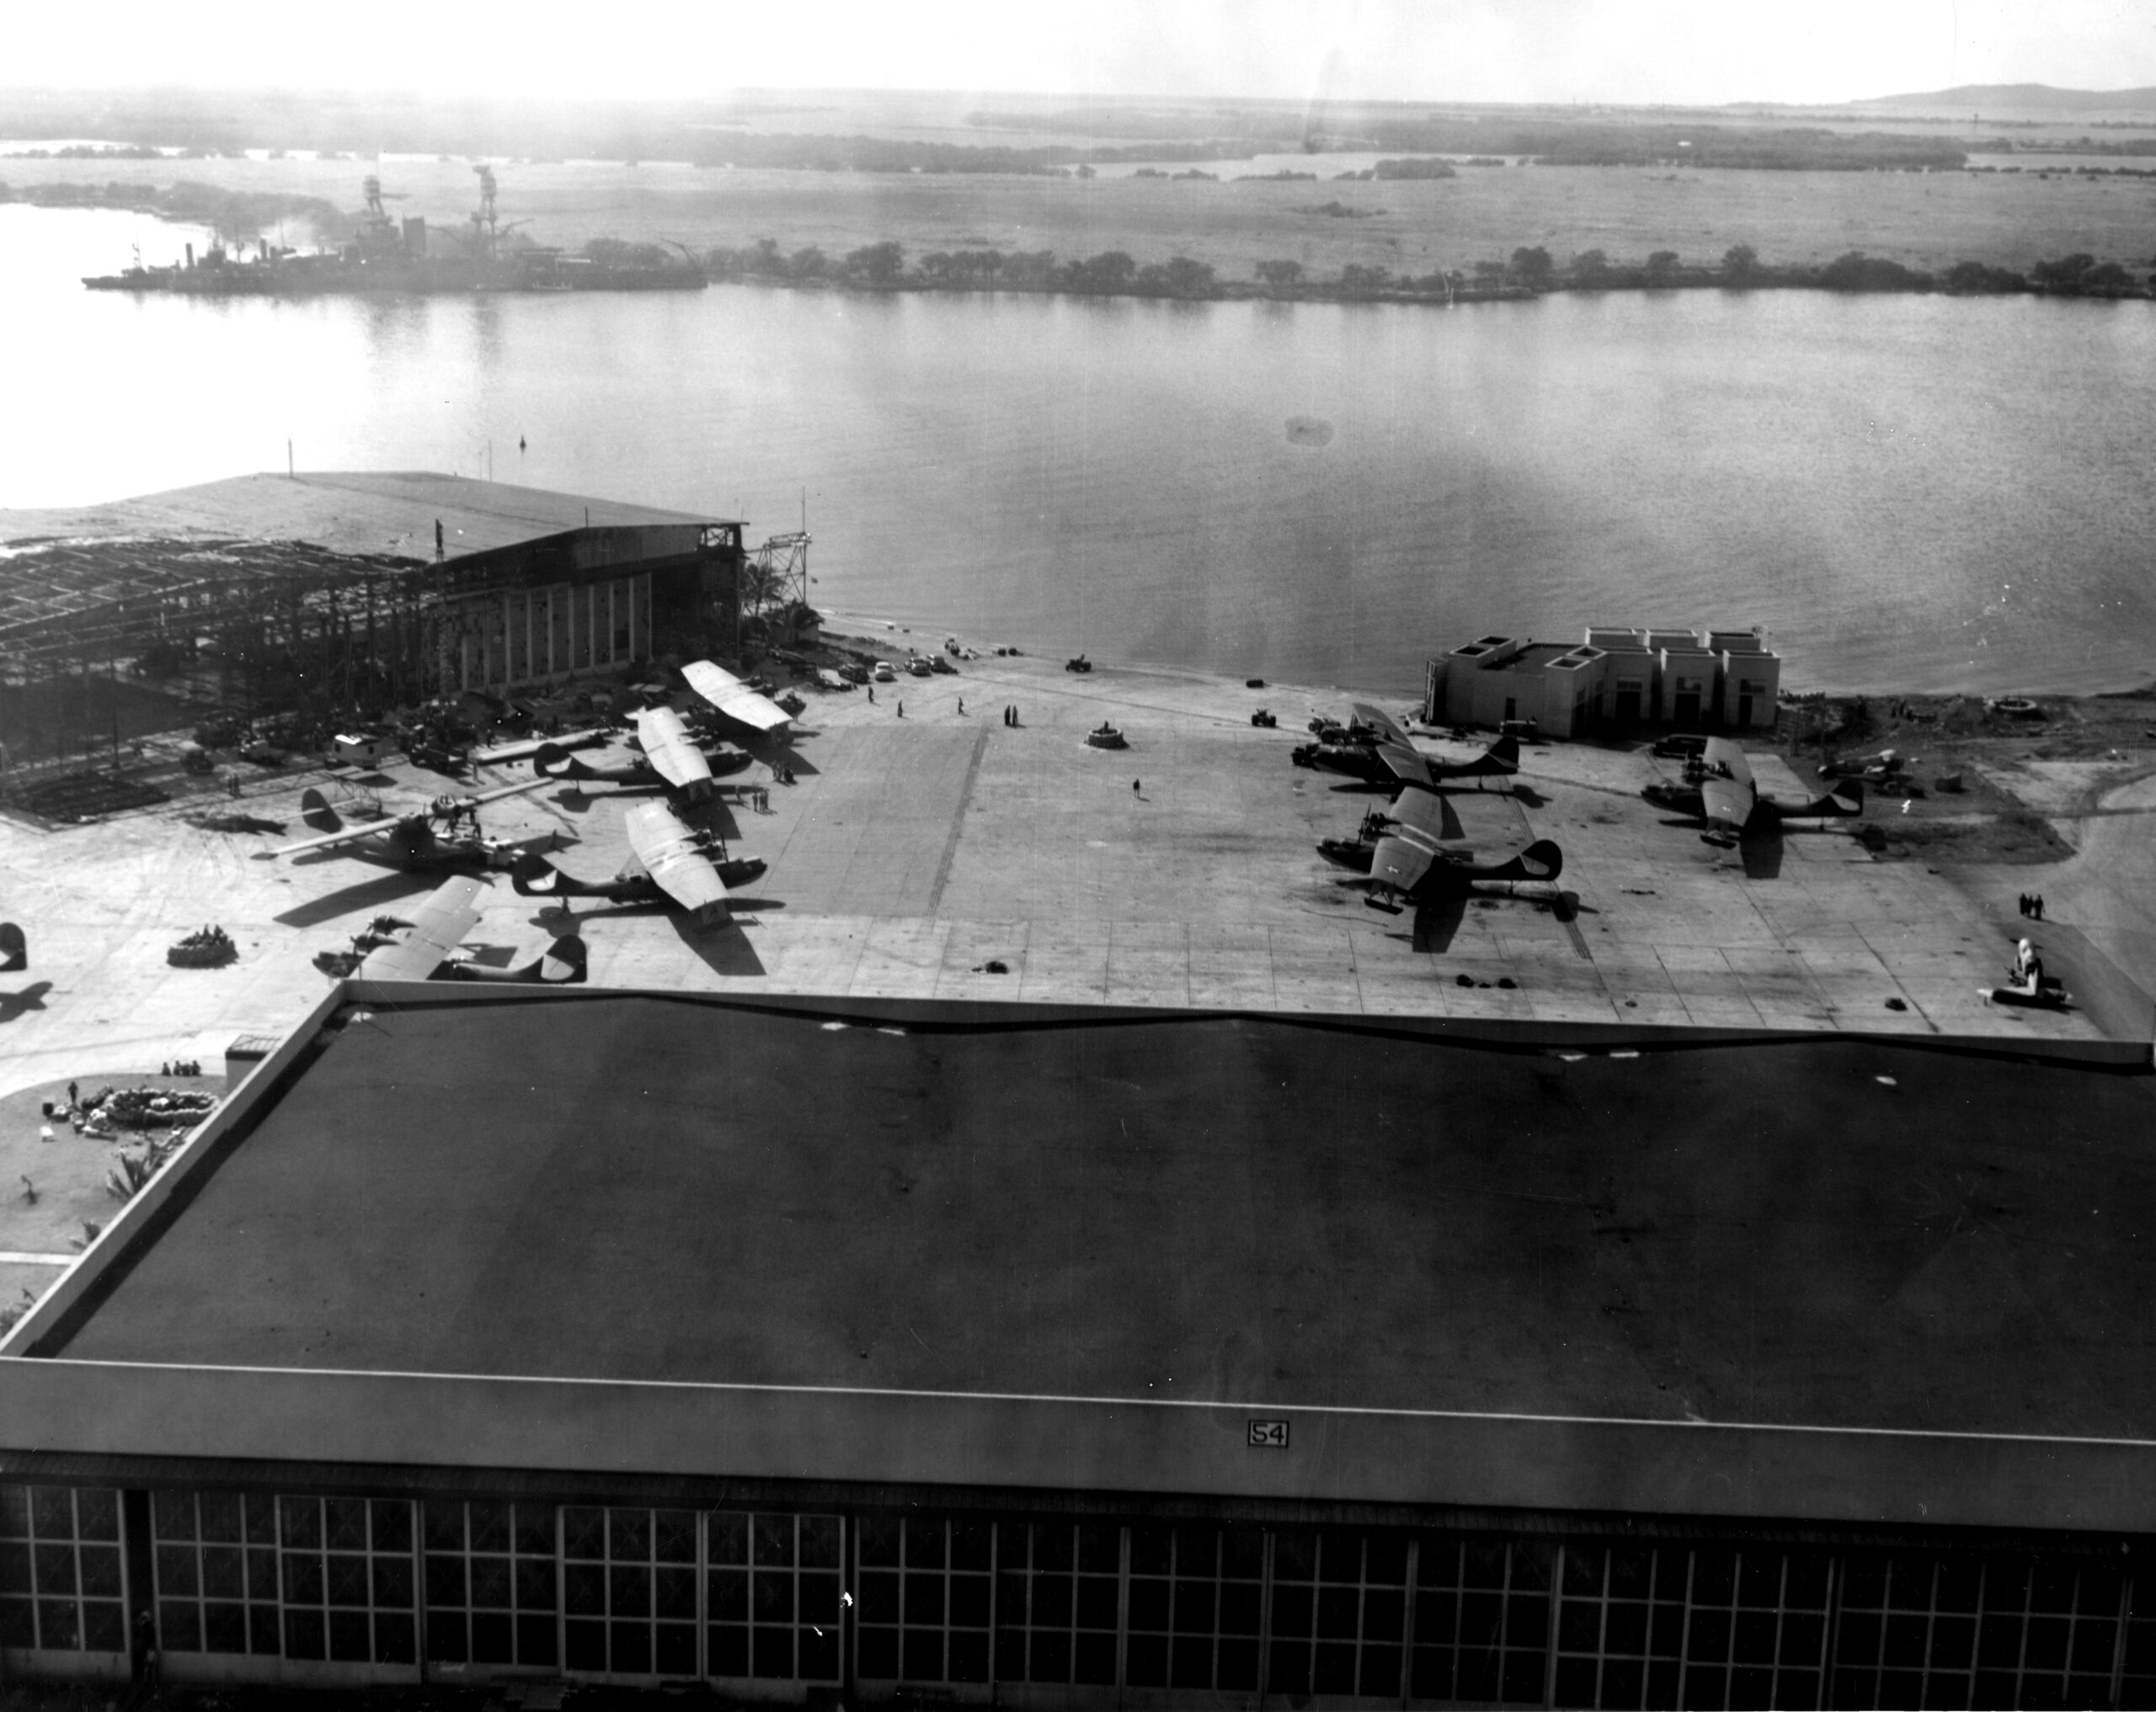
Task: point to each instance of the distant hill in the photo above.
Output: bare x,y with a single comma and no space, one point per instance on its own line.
2022,98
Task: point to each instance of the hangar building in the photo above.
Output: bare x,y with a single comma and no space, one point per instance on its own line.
897,1351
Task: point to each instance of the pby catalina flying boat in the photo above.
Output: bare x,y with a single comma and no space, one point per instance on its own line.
675,867
1886,764
1377,751
1407,858
410,840
735,702
425,948
1720,790
14,949
671,761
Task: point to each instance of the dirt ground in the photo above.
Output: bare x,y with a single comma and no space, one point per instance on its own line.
2019,776
1923,220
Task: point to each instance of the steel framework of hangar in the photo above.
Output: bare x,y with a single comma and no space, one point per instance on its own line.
352,591
900,1350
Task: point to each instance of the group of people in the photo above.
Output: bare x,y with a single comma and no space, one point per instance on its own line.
2032,905
177,1067
1010,716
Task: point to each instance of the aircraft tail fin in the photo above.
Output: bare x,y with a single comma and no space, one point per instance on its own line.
14,949
552,761
315,810
533,876
1843,801
1502,757
563,964
1540,860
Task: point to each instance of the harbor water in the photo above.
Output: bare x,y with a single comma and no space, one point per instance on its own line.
1909,493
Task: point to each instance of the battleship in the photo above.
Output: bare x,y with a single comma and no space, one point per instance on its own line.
387,255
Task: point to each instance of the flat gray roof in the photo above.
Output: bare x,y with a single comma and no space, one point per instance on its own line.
1240,1210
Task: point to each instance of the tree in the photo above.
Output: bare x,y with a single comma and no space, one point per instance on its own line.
1740,261
1355,277
808,263
1188,279
1662,264
2064,274
1591,267
879,264
1532,267
1112,270
1280,275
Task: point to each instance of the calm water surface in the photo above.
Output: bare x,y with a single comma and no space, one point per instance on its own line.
1909,493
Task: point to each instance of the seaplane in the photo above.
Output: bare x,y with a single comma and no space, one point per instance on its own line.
735,703
1887,764
410,840
1406,859
1375,750
675,867
1719,790
671,761
426,947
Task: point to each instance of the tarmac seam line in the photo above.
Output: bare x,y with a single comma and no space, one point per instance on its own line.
957,823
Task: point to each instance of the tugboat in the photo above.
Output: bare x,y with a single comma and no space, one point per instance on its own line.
209,949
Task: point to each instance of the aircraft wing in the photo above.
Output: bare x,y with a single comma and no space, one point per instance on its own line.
441,923
1427,816
1727,803
1401,862
1386,727
495,793
668,852
667,745
344,834
1404,764
733,698
1725,759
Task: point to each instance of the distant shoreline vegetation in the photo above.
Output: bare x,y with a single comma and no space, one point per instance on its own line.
1530,271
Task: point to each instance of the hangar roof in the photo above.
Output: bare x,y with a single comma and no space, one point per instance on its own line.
1264,1213
360,511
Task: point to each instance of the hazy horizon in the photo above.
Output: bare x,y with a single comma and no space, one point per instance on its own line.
1611,52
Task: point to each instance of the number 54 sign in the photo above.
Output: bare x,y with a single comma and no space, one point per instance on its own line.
1268,1434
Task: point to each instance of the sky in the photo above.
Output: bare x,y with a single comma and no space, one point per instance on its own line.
1628,51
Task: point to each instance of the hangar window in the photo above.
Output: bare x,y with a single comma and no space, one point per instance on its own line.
1057,1597
925,1589
1641,1625
2005,1630
490,1583
1339,1598
629,1591
2137,1686
772,1598
345,1579
1481,1618
215,1564
60,1587
1197,1600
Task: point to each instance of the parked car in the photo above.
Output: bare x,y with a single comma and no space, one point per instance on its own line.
884,674
1679,746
